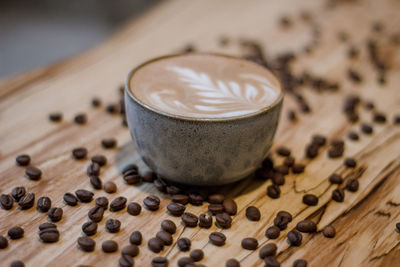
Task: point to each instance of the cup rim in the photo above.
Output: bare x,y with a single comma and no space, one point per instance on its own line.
199,119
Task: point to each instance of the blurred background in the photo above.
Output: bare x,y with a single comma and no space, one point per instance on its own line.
40,32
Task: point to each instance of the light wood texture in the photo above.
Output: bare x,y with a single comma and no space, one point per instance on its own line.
365,221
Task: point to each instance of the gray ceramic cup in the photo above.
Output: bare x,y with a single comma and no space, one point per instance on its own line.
199,151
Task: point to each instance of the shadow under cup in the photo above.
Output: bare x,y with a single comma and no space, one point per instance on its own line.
199,151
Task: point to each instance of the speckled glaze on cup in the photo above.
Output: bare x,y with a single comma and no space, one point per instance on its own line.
200,151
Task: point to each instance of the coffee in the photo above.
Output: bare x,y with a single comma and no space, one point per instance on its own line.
205,86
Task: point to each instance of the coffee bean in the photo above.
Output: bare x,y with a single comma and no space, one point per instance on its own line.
250,243
15,232
55,214
217,238
230,206
168,226
176,209
89,228
102,202
205,221
172,190
33,173
17,263
185,261
93,169
397,228
311,151
196,199
272,232
329,231
306,226
47,225
291,115
294,238
366,128
336,142
352,185
353,136
27,201
136,238
99,159
109,142
125,261
335,179
354,76
84,195
159,262
289,161
283,151
96,214
184,244
318,140
335,152
118,203
300,263
70,199
79,153
216,198
232,263
216,208
310,200
278,179
113,225
132,178
189,219
281,222
160,185
149,177
155,244
44,204
55,116
96,102
165,237
268,163
96,182
253,213
23,160
338,195
130,250
80,118
109,246
396,119
181,199
350,162
197,254
273,191
298,168
6,202
134,209
282,169
110,187
3,242
268,250
152,202
49,235
129,167
223,220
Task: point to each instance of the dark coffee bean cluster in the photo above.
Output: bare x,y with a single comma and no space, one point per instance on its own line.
131,174
48,233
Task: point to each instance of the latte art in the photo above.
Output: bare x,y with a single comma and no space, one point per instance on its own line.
205,86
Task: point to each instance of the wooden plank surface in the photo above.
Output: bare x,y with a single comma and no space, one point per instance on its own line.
365,221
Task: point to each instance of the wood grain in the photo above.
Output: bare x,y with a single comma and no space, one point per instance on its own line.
365,221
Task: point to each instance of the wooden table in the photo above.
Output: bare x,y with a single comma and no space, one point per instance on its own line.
365,221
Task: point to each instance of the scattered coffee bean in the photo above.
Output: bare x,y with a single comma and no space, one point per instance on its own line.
354,76
132,177
126,261
136,238
205,221
79,153
6,202
232,263
397,228
294,238
350,162
329,231
27,201
23,160
99,159
268,250
311,151
273,191
215,208
110,187
89,228
223,220
96,213
310,200
196,199
33,173
168,226
184,244
159,262
96,182
250,243
3,242
272,232
134,209
298,168
102,202
111,108
152,202
44,204
185,261
379,117
84,195
15,232
155,244
131,250
189,219
181,199
18,192
93,169
283,169
55,116
300,263
86,243
217,239
366,128
278,179
149,177
197,254
118,203
129,168
306,226
216,199
396,119
176,209
109,246
289,161
80,118
17,263
47,225
353,136
338,195
291,115
165,237
335,152
96,102
335,178
109,143
70,199
352,185
49,235
253,213
281,222
230,206
113,225
283,151
55,214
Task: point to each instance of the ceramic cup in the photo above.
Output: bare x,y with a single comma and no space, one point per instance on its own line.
199,151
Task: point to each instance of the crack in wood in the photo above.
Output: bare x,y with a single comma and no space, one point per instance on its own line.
392,203
385,254
382,213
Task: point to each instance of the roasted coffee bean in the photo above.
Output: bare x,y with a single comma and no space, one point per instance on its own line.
132,178
6,202
282,169
33,173
185,261
289,161
350,162
111,108
230,206
47,225
189,219
176,209
184,244
291,115
89,228
17,263
283,151
223,220
155,244
338,195
298,168
181,199
80,118
131,250
84,195
396,119
136,238
253,213
310,200
159,262
268,163
118,203
55,214
335,152
165,237
205,221
130,167
196,199
110,187
160,185
125,261
397,228
273,191
113,225
44,204
168,226
217,238
70,199
79,153
152,202
197,254
109,142
232,263
268,250
366,128
329,231
15,232
311,151
95,181
49,235
294,238
149,177
354,76
23,160
335,179
379,117
102,202
109,246
96,102
353,136
96,214
306,226
216,208
27,201
281,222
99,159
93,169
134,209
352,185
216,198
272,232
300,263
3,242
278,179
283,213
55,116
318,140
172,190
250,243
